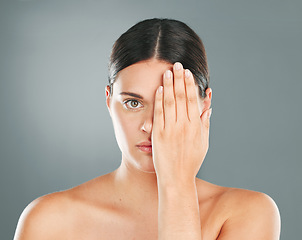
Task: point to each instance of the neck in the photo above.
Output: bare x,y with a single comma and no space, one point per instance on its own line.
136,187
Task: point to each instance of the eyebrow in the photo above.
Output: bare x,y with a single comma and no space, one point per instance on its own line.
132,94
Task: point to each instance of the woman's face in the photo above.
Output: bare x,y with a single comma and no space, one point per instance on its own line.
131,110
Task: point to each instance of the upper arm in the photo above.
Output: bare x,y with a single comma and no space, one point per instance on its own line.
256,217
39,220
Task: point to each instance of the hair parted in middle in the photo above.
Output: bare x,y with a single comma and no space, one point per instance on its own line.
162,39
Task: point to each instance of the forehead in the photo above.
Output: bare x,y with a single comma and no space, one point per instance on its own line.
143,77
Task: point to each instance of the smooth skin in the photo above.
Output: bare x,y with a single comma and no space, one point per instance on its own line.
154,196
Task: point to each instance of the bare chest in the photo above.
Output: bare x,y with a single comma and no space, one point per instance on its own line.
106,225
109,225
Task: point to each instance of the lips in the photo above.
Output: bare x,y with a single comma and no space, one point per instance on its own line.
145,146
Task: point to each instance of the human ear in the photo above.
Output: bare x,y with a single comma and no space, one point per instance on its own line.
206,102
108,97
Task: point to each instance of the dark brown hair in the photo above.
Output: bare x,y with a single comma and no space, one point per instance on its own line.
163,39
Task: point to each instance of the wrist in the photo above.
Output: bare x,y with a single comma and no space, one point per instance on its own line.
175,185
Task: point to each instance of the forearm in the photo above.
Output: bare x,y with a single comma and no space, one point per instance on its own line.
178,212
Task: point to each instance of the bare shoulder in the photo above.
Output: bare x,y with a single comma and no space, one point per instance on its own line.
58,215
245,199
247,214
255,215
44,217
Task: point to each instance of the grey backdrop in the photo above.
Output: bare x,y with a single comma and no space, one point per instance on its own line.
55,131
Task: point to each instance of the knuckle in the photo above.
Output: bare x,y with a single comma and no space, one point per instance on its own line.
192,99
180,95
158,111
182,127
169,102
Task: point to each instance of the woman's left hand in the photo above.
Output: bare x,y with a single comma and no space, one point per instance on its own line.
180,135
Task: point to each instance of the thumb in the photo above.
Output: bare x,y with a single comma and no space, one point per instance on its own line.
205,117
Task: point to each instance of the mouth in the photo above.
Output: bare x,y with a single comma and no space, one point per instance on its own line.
145,148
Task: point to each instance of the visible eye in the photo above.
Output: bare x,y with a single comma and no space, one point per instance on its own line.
132,104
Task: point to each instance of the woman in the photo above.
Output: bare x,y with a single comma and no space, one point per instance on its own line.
159,101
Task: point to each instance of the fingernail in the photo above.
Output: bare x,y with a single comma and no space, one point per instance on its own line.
177,66
160,89
209,112
168,74
187,73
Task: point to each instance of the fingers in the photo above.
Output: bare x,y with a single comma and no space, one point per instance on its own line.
169,101
180,93
158,117
180,100
192,105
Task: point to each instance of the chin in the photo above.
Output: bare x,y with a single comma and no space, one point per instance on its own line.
149,170
147,165
142,162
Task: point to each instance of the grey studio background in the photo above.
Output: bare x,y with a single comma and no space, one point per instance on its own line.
55,130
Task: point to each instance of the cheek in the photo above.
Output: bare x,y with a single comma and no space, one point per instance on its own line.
125,123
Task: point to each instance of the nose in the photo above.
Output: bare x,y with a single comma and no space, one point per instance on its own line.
147,126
